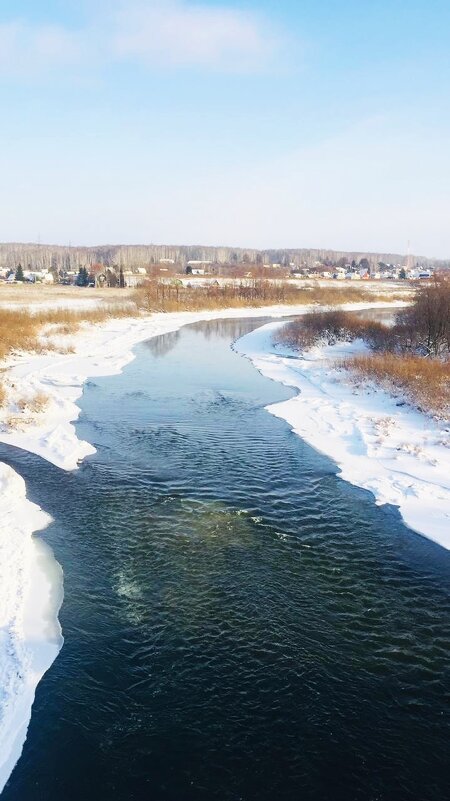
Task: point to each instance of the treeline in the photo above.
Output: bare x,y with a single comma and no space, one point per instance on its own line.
59,258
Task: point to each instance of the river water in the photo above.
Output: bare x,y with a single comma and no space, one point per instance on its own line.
239,623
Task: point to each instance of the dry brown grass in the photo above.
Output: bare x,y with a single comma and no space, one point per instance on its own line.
158,296
65,329
424,382
2,395
37,404
21,329
14,422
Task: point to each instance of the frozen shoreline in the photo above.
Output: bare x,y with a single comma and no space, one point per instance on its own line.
27,608
30,636
378,442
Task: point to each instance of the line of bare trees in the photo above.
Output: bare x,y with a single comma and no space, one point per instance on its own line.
426,324
59,258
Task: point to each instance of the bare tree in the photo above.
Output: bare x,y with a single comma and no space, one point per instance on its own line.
428,320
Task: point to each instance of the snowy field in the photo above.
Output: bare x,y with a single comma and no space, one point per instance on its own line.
398,454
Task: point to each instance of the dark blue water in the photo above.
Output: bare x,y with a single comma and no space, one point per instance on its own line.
239,623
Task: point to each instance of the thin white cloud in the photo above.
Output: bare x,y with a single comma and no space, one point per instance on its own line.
180,33
26,49
168,33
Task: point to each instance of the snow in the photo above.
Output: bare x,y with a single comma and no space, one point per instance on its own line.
401,455
30,637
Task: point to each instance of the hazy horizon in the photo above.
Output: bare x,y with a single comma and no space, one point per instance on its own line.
222,121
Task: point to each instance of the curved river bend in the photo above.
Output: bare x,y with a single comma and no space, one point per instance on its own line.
239,623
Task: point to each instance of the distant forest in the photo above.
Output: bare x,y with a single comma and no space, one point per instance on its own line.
129,257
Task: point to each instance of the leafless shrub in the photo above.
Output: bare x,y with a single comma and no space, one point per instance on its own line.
331,327
421,329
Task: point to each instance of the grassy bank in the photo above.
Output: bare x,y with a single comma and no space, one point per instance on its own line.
25,330
411,357
423,382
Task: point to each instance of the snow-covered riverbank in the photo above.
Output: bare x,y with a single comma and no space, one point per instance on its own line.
98,350
378,442
30,636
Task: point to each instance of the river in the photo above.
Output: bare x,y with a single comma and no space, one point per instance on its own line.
240,624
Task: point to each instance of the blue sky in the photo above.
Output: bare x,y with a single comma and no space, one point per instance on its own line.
259,123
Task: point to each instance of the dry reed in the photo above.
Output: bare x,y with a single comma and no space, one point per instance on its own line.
424,382
158,296
22,329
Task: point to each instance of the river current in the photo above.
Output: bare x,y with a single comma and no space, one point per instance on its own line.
239,623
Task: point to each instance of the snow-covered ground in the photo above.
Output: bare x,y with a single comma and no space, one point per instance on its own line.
29,631
378,442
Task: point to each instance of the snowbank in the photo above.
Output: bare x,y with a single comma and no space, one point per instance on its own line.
30,637
380,444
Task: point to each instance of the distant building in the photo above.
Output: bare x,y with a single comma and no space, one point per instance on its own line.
134,279
38,276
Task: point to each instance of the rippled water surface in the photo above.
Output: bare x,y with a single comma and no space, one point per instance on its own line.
240,624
